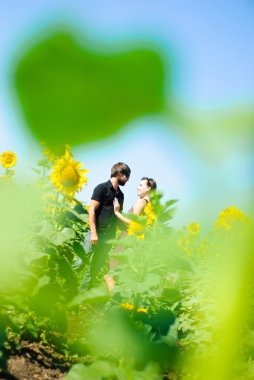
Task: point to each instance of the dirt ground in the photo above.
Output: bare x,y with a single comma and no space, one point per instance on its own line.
35,361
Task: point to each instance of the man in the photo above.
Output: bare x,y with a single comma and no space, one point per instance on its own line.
102,218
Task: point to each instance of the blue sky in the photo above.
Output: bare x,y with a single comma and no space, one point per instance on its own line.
212,46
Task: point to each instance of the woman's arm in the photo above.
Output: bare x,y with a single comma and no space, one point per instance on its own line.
118,214
122,218
137,208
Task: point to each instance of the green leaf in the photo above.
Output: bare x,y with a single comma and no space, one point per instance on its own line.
171,202
37,171
95,295
43,281
34,255
151,280
172,334
82,217
92,95
96,371
61,237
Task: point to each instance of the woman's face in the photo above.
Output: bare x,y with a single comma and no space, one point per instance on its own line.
142,189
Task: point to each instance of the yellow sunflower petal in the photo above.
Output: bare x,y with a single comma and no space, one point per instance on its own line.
67,175
135,228
8,159
150,214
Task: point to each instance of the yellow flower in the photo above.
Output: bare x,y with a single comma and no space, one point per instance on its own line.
136,229
8,159
229,216
150,214
193,228
142,310
184,244
67,175
127,306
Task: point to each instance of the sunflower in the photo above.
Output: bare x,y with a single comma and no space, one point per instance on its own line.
150,214
67,175
142,310
127,306
8,159
193,228
136,229
184,244
229,217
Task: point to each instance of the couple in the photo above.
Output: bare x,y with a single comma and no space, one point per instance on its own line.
105,211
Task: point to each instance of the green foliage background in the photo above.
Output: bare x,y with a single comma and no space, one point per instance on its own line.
181,310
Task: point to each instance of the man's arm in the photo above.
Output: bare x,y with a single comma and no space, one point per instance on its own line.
92,208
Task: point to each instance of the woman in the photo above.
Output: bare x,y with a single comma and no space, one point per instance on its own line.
145,186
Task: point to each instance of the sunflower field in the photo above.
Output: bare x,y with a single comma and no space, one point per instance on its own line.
177,304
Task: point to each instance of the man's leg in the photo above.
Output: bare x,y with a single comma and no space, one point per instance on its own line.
99,259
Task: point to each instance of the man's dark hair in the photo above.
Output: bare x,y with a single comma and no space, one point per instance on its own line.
150,182
120,168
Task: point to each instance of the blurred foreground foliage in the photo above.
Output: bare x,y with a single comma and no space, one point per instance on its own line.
92,95
180,305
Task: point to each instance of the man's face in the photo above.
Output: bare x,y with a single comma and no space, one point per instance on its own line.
122,179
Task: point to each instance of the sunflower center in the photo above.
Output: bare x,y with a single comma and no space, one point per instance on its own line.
8,158
69,176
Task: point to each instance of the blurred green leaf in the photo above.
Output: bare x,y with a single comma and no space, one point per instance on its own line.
71,94
62,236
95,295
43,281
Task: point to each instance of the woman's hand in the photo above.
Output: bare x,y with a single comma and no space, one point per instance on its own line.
116,205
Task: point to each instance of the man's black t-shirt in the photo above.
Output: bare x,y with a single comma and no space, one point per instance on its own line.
105,217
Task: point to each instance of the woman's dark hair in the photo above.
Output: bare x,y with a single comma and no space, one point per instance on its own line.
120,168
150,182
